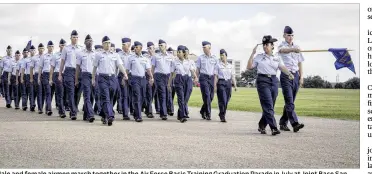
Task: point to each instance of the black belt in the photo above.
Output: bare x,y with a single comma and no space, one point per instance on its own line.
106,75
266,75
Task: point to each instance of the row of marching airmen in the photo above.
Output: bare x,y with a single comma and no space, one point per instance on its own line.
132,79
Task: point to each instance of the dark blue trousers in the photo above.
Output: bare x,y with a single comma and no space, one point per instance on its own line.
86,84
180,88
47,91
118,96
156,98
4,79
170,106
289,90
207,90
267,87
38,93
161,82
97,97
27,92
107,88
66,101
149,96
130,94
188,91
124,94
223,96
17,90
138,91
78,92
69,83
59,99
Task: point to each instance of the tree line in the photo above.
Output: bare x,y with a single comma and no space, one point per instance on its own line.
248,77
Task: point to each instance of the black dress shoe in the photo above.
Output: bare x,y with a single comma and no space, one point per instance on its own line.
110,121
150,116
16,108
91,119
73,117
8,106
182,120
275,132
284,128
203,115
103,120
263,131
208,117
223,120
32,109
49,113
84,118
40,112
187,116
24,108
139,120
126,118
163,117
170,113
63,116
297,127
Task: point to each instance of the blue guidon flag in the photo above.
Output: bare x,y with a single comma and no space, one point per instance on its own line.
28,46
343,59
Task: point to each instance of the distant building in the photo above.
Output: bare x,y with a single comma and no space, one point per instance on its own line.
236,65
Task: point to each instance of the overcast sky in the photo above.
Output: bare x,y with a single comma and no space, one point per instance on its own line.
236,27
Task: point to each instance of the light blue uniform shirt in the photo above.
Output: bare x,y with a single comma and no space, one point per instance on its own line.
292,59
69,55
45,62
162,62
224,71
138,65
124,57
266,64
181,67
7,63
192,66
107,62
206,64
56,61
27,64
15,67
85,60
36,62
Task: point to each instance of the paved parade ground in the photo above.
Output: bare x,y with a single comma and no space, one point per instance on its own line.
30,140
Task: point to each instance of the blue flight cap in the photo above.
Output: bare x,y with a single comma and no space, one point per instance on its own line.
32,47
223,51
17,52
50,43
41,45
136,43
186,48
268,39
288,30
105,39
170,49
161,41
25,50
118,50
62,42
9,47
125,40
88,37
149,44
204,43
74,33
181,48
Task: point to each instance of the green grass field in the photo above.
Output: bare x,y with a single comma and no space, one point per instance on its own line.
327,103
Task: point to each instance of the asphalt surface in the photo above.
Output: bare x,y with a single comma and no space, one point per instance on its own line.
30,140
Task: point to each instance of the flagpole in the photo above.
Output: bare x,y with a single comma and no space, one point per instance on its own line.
304,51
